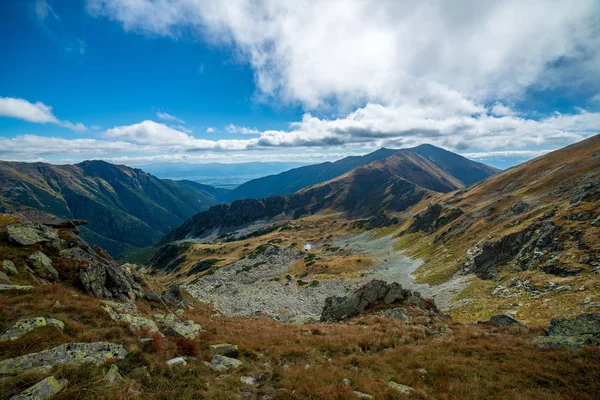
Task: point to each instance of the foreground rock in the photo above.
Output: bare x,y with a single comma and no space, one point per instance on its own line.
186,329
501,320
373,294
222,363
224,349
135,321
24,326
26,233
571,333
6,288
46,389
42,265
70,353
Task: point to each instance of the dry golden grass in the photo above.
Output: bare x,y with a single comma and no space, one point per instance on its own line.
300,361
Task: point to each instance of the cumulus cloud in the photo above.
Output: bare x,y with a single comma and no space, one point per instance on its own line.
210,129
244,130
354,51
34,112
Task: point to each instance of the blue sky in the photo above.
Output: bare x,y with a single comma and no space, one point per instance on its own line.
141,81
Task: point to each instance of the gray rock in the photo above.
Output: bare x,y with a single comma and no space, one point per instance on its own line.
46,389
9,267
249,380
101,276
362,395
399,314
222,363
376,292
186,329
224,349
174,297
400,387
135,321
596,222
571,333
27,233
24,326
6,288
504,320
112,375
70,353
42,265
4,277
151,295
176,361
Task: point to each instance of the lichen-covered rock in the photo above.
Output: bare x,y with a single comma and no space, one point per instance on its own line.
151,295
224,349
9,267
186,329
135,321
24,326
101,276
223,363
571,333
6,288
176,361
374,293
42,265
45,389
27,233
70,353
113,376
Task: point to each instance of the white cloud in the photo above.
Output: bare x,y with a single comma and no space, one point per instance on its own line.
210,129
43,9
244,130
34,112
168,117
356,51
500,110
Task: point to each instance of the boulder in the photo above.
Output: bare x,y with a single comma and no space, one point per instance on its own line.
46,389
151,295
27,233
571,333
24,326
223,363
374,293
42,265
4,277
362,395
224,349
100,276
135,321
186,329
9,267
70,353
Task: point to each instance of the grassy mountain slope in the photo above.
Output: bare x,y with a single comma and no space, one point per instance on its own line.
465,170
126,208
393,184
517,236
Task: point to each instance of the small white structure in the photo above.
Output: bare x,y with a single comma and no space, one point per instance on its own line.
307,247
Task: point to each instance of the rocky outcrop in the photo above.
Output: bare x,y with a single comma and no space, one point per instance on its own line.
571,333
373,294
527,248
43,390
27,233
500,321
173,296
6,288
24,326
9,267
70,353
100,276
433,218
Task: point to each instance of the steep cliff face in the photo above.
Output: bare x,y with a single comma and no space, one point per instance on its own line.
125,208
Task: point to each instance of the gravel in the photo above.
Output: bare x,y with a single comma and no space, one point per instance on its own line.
253,286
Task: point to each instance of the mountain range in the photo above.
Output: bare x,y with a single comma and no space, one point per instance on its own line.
125,208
